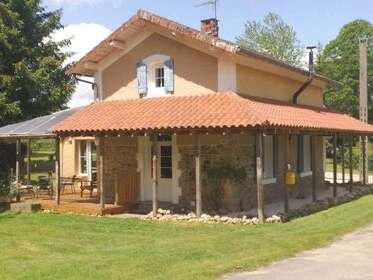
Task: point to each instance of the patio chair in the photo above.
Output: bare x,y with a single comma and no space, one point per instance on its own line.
86,185
44,186
68,182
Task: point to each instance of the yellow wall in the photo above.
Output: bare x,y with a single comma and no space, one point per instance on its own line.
68,158
195,72
258,83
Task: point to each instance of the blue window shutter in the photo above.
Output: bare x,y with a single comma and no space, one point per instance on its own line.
169,75
142,78
300,154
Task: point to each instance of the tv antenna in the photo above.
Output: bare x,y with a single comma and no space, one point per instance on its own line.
213,3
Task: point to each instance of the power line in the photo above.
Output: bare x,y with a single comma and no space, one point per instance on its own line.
213,3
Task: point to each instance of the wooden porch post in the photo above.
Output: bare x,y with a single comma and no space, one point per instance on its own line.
350,164
116,190
57,171
334,165
18,155
100,157
343,158
364,143
198,180
29,161
259,175
313,167
154,177
287,167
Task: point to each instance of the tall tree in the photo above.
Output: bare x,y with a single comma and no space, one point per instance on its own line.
33,81
274,37
339,60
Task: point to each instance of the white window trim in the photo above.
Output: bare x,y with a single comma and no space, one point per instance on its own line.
165,143
306,174
153,62
89,159
269,181
307,157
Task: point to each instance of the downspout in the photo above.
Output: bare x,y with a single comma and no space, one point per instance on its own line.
308,82
94,85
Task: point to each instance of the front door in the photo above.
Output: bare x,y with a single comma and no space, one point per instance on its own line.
165,168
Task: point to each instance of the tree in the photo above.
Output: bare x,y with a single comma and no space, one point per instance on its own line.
339,60
33,79
274,37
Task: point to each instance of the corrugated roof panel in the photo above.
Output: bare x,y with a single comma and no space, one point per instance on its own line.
38,127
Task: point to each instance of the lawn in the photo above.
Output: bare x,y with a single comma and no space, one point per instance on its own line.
53,246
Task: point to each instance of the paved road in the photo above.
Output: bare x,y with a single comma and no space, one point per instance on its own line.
350,258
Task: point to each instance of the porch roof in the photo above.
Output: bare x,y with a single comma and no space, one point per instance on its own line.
211,111
40,127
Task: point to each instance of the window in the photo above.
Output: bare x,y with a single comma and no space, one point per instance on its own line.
166,161
83,158
304,154
159,77
155,76
88,160
269,157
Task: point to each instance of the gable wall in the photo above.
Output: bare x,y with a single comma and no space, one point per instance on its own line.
262,84
195,72
199,73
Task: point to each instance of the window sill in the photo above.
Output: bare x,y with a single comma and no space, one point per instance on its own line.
305,174
268,181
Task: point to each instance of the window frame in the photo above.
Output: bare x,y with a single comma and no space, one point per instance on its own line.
90,149
304,163
159,77
85,157
165,142
270,179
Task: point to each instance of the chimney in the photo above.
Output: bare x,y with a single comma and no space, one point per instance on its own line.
210,27
311,64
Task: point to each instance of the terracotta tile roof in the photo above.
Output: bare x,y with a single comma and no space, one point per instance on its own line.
142,18
218,111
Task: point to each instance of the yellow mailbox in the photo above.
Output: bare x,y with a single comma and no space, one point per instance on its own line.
290,178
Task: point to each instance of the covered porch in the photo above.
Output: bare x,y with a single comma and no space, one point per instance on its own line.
36,176
128,169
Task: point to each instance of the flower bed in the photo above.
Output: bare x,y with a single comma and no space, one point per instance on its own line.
163,214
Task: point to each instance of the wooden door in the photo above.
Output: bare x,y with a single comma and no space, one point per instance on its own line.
128,189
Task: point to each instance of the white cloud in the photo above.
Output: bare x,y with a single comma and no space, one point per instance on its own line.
84,37
60,3
65,3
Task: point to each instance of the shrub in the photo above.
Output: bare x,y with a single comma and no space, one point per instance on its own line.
4,185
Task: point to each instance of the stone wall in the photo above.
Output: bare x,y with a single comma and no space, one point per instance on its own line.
232,151
275,192
119,156
238,151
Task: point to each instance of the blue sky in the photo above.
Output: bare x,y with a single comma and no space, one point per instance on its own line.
315,21
90,21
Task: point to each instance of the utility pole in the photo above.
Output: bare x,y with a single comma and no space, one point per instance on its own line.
363,46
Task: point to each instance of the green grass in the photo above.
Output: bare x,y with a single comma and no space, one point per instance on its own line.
53,246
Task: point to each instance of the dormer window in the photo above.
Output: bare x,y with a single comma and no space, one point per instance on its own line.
159,77
155,76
